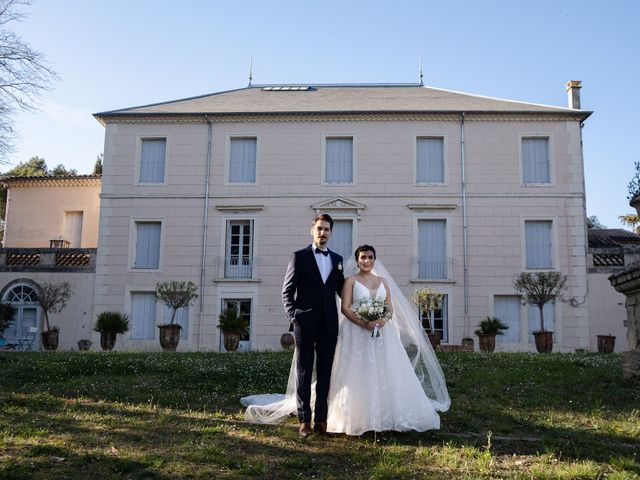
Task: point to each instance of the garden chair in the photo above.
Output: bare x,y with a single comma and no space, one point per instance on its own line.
26,342
5,345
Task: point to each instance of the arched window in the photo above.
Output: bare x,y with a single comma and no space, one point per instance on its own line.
24,297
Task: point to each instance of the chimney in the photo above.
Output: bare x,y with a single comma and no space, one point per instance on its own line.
573,89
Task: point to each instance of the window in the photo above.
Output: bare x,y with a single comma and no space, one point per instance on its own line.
342,238
533,313
147,253
25,299
507,309
339,160
538,245
242,160
430,160
143,316
440,320
239,249
152,160
182,319
243,306
73,228
432,261
535,160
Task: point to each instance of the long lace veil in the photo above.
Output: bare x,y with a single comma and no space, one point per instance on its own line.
274,408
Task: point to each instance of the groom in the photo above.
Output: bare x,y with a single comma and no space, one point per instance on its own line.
314,276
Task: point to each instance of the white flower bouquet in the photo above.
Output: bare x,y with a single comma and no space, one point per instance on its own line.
372,310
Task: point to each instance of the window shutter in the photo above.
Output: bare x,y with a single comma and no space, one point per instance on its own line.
143,316
342,238
339,160
430,160
242,160
432,249
152,160
535,159
507,309
147,245
538,244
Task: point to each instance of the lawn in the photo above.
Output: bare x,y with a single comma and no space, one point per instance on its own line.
101,416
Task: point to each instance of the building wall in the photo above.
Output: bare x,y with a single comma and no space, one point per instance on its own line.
289,183
36,214
75,320
607,312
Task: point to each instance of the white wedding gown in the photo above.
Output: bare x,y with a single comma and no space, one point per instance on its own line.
373,385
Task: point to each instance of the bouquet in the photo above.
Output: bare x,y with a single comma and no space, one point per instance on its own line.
371,310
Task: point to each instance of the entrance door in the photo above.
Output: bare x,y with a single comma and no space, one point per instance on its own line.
73,228
25,299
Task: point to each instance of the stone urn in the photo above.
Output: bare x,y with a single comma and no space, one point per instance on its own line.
50,339
544,341
288,342
231,341
84,345
107,340
487,342
169,336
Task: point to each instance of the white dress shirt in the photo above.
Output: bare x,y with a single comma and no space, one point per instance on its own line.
324,263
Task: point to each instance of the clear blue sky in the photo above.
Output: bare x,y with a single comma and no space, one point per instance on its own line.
121,53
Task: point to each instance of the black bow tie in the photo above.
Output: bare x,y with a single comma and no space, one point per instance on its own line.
323,252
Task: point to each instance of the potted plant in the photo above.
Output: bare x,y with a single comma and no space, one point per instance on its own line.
52,298
233,326
634,188
540,288
175,295
606,343
110,324
429,300
487,331
7,316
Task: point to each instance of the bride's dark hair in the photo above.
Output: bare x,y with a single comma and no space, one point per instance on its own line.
365,248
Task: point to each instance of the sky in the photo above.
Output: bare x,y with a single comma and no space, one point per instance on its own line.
123,53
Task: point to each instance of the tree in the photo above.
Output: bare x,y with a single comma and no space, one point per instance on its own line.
631,220
34,167
52,298
176,295
24,74
539,288
97,167
594,222
61,171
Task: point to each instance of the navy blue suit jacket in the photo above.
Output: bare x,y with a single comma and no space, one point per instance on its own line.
306,299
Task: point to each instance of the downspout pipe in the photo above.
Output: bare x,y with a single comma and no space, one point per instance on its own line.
464,228
205,225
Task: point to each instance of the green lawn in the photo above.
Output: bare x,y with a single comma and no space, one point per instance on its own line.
175,416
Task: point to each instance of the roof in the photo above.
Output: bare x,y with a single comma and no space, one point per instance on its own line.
377,98
51,181
611,237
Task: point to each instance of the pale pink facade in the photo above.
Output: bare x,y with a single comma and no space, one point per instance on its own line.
40,209
205,220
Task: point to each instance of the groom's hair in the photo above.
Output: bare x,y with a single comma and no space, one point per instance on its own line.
365,248
325,217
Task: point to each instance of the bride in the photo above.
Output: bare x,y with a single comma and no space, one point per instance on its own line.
385,374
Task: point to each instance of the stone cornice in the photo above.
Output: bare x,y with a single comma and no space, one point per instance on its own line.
201,118
75,181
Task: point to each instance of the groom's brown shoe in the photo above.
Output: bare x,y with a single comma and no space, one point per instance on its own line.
320,427
305,429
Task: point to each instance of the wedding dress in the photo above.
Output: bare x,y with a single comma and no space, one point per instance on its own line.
391,382
373,385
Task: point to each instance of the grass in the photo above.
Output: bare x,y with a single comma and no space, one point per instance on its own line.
177,416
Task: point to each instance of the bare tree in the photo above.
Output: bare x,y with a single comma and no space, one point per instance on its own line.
24,74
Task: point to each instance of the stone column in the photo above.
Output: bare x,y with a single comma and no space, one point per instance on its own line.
627,282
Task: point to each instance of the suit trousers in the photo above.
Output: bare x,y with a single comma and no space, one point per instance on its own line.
313,340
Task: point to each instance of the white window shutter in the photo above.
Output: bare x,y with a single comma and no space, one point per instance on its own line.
430,160
242,160
539,250
147,245
432,249
535,159
143,316
152,160
507,309
339,160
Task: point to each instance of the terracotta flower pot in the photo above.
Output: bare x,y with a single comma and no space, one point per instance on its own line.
434,338
606,343
107,340
544,341
231,341
487,342
50,339
169,337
